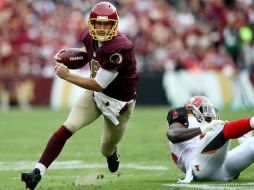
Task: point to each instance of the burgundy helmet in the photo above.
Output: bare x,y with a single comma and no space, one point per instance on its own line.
103,12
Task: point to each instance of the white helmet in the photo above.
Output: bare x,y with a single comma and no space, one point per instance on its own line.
203,109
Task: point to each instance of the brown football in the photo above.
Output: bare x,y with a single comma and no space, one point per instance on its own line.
73,58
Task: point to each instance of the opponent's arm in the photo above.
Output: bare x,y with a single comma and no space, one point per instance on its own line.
178,133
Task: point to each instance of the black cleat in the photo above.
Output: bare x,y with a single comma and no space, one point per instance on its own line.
31,179
113,162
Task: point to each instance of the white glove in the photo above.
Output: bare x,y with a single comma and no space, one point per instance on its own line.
206,127
209,126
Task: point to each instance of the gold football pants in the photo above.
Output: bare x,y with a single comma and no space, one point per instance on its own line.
85,112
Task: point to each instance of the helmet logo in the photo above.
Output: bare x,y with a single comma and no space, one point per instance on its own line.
175,114
102,17
197,102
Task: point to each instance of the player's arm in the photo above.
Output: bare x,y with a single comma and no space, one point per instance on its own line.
177,132
101,81
84,82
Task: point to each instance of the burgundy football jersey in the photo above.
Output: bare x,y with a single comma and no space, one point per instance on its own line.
115,54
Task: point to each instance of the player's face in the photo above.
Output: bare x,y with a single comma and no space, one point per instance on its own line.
102,27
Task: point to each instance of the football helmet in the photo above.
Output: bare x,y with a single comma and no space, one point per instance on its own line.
202,108
103,12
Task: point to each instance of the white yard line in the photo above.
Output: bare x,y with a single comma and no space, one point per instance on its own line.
228,186
74,164
78,164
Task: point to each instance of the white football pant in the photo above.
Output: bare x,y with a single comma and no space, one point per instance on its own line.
221,164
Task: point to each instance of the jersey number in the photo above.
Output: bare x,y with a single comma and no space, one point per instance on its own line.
94,67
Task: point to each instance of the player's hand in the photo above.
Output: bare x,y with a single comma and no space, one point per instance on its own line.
57,59
204,128
61,70
209,126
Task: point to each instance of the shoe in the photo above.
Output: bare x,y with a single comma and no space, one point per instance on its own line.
31,179
113,162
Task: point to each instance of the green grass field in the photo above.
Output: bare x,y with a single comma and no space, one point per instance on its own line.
145,157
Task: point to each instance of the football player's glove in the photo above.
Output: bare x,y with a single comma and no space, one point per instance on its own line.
210,126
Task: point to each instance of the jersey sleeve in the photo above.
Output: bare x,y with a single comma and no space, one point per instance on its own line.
179,115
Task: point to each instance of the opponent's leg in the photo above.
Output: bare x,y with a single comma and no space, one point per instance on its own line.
243,155
111,136
213,154
240,158
238,128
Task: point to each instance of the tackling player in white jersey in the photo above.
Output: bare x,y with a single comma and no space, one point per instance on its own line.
200,142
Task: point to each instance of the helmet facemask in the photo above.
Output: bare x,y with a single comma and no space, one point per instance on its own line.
203,109
108,33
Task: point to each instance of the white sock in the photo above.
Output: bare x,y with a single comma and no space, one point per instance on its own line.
41,167
252,122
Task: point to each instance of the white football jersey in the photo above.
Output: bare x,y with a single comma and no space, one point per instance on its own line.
221,164
185,151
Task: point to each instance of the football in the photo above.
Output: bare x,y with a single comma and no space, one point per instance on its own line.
73,58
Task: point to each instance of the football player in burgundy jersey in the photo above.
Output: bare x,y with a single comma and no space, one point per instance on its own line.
110,90
199,142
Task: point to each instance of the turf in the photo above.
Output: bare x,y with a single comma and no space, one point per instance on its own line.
145,156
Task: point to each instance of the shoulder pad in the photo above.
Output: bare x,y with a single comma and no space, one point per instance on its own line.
178,115
85,36
118,43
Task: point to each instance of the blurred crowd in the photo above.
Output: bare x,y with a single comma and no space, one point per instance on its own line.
167,34
192,34
195,35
